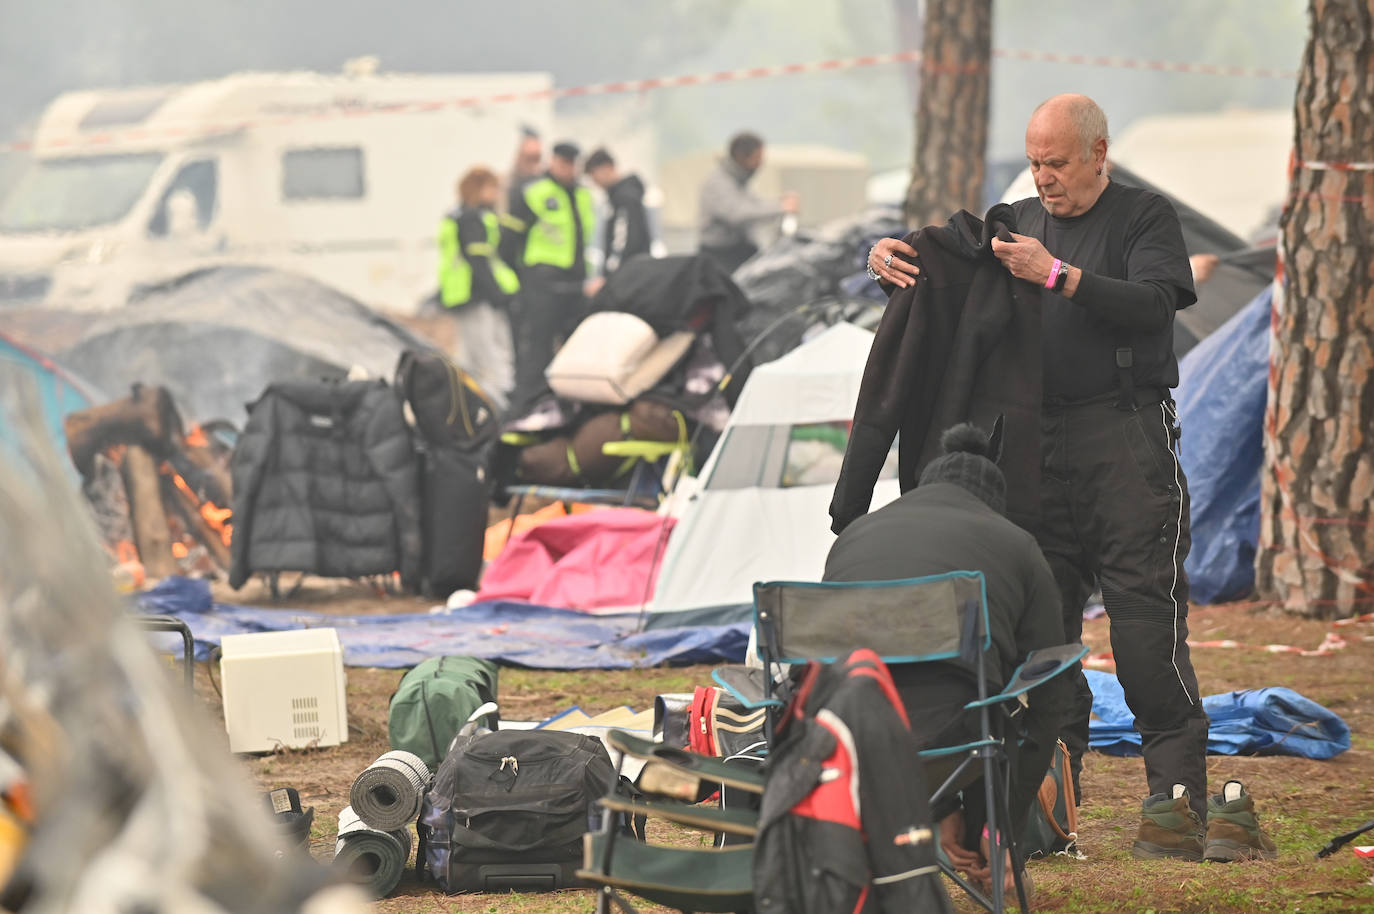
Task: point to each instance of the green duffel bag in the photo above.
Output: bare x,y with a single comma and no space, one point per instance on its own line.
435,700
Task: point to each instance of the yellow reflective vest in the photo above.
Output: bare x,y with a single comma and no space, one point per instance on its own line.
456,260
553,238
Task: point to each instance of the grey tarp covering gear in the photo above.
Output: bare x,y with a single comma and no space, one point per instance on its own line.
325,481
799,269
217,337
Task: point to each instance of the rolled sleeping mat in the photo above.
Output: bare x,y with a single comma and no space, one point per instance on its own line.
387,795
368,857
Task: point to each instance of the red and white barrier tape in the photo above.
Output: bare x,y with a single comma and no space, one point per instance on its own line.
666,82
1337,166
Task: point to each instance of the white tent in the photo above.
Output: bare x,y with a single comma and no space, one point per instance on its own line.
761,512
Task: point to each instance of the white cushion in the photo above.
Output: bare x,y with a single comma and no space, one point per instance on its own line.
613,357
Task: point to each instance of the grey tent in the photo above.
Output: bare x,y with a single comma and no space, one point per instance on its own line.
216,338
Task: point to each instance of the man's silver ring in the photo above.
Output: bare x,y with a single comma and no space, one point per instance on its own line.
887,261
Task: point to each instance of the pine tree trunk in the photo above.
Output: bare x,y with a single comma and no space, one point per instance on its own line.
1316,549
951,112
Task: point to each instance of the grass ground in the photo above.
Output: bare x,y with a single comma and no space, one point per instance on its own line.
1302,803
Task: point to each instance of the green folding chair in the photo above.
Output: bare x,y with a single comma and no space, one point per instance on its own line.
919,620
688,879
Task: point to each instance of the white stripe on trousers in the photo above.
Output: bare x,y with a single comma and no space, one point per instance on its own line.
1178,539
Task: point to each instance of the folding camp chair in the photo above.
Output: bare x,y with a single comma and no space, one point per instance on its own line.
919,620
689,879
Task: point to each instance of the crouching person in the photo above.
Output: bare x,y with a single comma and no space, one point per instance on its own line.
953,521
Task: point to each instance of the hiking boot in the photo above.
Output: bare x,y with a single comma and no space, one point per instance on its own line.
1168,828
1233,831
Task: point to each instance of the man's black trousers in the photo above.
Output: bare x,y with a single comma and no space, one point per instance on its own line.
550,306
1114,511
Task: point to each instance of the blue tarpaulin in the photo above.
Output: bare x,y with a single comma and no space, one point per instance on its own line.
1272,721
1221,396
519,634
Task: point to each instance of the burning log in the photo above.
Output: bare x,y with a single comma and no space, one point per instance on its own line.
152,535
147,417
192,512
167,487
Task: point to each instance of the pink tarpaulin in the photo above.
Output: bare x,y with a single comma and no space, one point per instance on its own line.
605,559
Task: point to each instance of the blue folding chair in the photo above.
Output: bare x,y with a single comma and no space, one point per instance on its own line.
919,620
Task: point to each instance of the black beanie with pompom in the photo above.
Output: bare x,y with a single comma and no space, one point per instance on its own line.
968,461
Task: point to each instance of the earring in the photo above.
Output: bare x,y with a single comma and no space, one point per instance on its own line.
1099,172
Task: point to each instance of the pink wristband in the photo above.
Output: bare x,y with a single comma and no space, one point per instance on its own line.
1054,273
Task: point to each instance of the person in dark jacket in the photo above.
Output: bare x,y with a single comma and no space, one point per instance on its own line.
1113,271
552,225
953,521
527,167
476,286
627,231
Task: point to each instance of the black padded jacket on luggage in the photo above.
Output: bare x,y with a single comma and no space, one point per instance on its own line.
326,482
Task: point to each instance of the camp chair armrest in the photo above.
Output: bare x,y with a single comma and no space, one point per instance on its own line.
681,767
962,748
1040,667
753,704
734,821
569,494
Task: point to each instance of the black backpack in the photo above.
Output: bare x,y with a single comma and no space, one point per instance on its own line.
450,408
508,810
455,424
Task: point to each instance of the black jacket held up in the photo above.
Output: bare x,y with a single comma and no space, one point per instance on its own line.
961,345
325,481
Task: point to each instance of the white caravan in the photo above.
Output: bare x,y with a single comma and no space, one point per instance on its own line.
339,177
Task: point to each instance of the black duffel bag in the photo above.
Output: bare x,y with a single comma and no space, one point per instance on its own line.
508,810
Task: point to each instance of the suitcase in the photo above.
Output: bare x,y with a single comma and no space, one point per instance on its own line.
453,507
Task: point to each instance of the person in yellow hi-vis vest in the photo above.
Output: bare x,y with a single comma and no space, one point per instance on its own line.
477,287
557,221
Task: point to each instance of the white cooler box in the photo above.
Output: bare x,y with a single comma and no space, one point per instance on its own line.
283,690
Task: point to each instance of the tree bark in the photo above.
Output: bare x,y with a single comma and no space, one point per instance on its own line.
1316,543
152,536
952,111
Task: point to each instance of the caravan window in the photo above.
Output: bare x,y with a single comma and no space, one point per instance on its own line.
77,192
322,174
200,180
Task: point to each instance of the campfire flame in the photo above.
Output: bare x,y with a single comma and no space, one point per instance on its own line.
218,518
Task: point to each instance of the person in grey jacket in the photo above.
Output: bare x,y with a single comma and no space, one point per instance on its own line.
730,211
